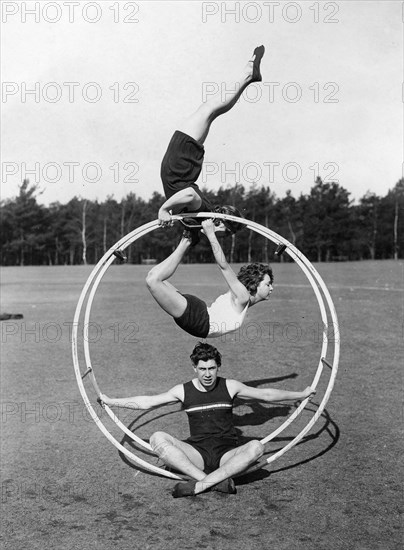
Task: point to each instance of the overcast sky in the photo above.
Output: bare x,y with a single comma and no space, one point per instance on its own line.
109,81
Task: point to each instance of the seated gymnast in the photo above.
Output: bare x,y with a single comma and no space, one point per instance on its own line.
252,284
182,162
211,455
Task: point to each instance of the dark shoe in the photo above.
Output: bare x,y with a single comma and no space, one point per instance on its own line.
192,235
256,74
226,486
184,489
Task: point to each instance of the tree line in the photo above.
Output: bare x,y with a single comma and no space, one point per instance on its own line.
324,224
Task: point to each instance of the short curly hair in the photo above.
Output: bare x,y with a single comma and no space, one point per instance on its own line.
233,227
204,352
251,276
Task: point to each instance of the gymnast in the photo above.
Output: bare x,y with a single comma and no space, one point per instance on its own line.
212,454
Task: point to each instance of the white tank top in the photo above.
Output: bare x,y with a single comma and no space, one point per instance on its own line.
223,318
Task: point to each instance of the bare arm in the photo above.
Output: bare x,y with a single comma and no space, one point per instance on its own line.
270,395
145,402
186,197
240,294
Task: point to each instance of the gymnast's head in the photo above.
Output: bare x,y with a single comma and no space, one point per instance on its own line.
258,279
205,352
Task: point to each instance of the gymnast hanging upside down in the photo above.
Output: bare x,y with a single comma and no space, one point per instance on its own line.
180,169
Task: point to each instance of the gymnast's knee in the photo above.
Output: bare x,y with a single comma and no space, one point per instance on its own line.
256,448
157,439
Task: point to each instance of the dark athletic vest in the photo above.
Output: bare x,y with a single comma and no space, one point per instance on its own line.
210,414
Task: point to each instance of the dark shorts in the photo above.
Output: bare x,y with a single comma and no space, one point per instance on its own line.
182,164
212,450
195,319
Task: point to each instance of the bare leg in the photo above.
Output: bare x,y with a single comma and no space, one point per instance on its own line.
198,124
232,463
178,454
163,292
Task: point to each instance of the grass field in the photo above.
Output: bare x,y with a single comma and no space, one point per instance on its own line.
64,486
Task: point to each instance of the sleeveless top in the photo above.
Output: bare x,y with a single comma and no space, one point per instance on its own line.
210,414
223,318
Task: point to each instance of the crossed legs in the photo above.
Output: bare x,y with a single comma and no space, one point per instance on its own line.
232,463
178,454
186,459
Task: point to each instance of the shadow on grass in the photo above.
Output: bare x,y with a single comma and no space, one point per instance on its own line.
258,472
258,414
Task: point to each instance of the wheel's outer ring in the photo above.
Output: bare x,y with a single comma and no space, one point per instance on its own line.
90,289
